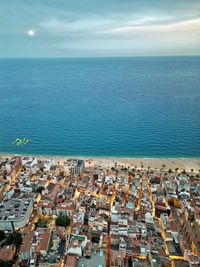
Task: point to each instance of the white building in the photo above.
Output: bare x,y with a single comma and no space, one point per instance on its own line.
48,164
74,166
29,162
76,245
10,193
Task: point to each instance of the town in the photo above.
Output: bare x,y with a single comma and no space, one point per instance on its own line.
77,213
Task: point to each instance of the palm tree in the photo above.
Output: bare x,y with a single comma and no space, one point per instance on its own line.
176,170
163,166
183,172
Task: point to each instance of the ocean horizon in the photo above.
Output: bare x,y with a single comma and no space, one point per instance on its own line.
101,107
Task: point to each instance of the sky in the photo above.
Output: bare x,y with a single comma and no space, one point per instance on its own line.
84,28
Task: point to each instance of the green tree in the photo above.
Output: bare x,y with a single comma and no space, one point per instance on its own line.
42,223
14,238
62,221
2,235
6,263
163,166
40,189
184,172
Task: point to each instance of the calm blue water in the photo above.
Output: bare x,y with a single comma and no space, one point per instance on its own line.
146,107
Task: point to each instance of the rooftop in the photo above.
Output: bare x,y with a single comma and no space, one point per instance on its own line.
14,209
7,253
97,259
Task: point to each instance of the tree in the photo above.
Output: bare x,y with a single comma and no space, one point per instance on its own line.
2,235
169,171
40,189
6,263
176,170
62,221
14,238
42,223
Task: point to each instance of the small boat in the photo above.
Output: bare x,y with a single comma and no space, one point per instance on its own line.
21,142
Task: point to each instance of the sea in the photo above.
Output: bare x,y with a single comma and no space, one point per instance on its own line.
107,107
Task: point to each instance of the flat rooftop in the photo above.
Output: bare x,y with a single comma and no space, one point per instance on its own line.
75,162
173,249
98,260
14,209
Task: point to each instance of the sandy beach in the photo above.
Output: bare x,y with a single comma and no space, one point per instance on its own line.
109,162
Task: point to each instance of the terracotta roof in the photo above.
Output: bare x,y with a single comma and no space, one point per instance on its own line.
7,253
45,204
26,246
71,260
44,235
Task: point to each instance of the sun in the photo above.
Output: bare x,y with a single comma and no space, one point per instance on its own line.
31,33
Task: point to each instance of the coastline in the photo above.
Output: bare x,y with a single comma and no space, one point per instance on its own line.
108,162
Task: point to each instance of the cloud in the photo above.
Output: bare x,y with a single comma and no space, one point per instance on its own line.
92,26
117,23
189,26
143,36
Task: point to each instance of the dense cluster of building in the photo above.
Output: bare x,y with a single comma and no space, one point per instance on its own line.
120,216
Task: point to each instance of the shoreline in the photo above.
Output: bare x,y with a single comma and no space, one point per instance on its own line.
109,161
95,156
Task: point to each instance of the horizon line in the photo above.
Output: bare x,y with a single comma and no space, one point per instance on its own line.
110,56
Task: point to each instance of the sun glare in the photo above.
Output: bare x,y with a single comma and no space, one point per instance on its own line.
31,33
